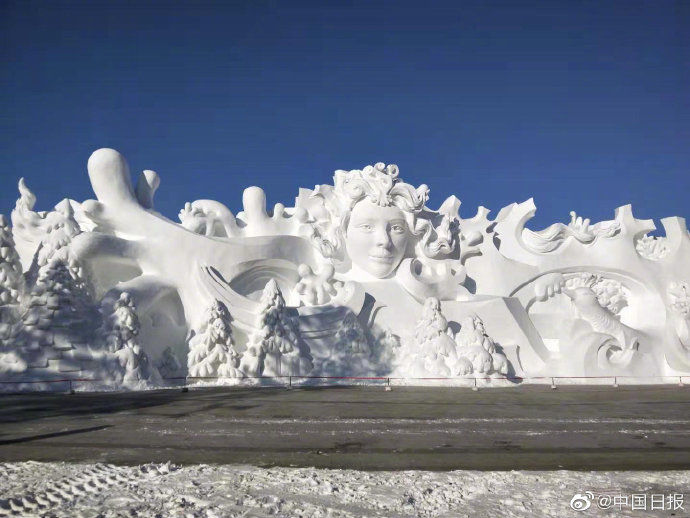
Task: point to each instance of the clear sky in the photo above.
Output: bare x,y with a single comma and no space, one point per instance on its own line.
584,105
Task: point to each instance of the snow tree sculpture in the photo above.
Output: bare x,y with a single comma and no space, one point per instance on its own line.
61,227
275,348
477,352
122,327
433,350
436,352
58,311
212,351
55,331
11,274
120,323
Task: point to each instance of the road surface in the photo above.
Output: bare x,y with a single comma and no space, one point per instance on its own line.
527,427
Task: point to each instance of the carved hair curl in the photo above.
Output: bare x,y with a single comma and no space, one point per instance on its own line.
380,185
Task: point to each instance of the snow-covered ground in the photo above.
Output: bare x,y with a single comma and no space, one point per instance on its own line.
164,490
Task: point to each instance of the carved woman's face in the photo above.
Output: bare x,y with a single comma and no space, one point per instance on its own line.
376,238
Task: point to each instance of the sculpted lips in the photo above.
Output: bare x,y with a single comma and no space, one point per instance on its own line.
381,258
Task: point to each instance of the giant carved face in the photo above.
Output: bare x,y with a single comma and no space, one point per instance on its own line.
376,238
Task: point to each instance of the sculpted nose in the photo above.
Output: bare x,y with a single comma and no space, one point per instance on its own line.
382,239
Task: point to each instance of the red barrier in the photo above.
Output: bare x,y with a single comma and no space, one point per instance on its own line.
387,379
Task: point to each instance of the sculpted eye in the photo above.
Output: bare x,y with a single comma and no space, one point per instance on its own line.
398,228
366,227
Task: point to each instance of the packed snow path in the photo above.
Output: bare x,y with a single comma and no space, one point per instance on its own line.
88,490
357,427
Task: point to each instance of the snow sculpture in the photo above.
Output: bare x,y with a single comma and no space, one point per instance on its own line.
55,335
601,318
620,342
168,365
478,350
11,290
120,323
315,289
437,352
212,351
651,247
46,232
351,354
551,238
11,273
351,337
679,295
60,228
375,283
56,309
433,350
122,327
275,349
610,294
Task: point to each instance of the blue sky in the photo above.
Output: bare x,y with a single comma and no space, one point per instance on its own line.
584,105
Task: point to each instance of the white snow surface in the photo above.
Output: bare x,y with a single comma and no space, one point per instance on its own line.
166,490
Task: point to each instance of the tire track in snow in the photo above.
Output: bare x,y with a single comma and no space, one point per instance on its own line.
91,481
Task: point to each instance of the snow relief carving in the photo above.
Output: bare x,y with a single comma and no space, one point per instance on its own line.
359,278
679,295
551,238
652,247
436,351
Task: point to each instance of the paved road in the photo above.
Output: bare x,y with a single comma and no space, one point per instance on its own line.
529,427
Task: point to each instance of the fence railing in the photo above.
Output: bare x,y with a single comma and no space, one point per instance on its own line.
388,382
